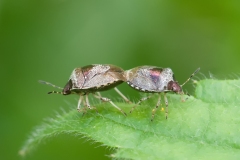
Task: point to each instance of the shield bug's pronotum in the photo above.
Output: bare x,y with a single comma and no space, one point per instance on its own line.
152,79
93,79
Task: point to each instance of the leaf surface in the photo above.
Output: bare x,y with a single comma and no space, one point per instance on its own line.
204,127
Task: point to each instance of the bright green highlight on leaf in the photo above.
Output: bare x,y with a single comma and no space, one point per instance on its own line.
205,127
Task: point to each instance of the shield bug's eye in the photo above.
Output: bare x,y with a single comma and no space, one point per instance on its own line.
67,88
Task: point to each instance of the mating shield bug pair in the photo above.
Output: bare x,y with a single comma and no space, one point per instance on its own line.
101,77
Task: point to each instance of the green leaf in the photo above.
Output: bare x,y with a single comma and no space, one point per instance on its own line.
205,127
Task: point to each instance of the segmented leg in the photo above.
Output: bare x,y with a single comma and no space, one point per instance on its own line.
108,100
84,106
99,94
182,99
88,104
124,97
166,103
79,103
140,101
155,109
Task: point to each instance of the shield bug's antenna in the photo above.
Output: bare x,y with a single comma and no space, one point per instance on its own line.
186,82
190,77
50,84
55,92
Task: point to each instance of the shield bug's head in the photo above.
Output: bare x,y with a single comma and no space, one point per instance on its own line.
174,86
67,89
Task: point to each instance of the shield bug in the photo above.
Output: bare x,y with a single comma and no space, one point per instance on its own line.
152,79
93,79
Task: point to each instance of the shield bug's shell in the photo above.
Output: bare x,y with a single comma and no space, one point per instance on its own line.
92,79
152,79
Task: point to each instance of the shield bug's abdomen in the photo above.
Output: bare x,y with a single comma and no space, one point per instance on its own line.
149,78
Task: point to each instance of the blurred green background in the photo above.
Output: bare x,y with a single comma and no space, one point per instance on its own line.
47,39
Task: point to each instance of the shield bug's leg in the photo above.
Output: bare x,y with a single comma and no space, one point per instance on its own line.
117,107
99,94
84,107
166,103
87,102
140,101
182,99
155,109
108,100
124,97
79,103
